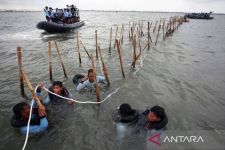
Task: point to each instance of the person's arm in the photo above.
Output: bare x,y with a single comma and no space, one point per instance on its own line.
100,79
36,128
46,101
82,85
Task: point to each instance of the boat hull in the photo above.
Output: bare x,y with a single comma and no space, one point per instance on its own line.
52,27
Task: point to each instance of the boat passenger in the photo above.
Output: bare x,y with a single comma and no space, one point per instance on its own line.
88,81
66,16
51,14
47,13
38,123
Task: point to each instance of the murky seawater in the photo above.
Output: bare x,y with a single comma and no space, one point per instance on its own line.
185,74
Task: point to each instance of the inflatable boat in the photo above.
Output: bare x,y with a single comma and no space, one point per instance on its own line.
53,27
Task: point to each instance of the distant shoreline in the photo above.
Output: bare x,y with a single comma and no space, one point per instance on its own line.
108,11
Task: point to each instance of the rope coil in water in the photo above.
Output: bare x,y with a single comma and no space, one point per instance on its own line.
85,102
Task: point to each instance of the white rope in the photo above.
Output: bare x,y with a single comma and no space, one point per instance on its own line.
28,124
86,102
83,102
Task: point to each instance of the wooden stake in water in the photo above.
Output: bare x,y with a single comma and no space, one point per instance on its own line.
50,60
142,34
85,50
116,36
78,48
103,66
122,35
129,31
19,55
155,26
163,30
110,40
95,79
96,43
134,50
158,33
31,89
121,62
61,60
148,36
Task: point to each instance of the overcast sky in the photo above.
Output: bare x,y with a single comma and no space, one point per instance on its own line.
218,6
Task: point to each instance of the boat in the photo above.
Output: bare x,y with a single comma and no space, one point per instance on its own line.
199,15
53,27
56,23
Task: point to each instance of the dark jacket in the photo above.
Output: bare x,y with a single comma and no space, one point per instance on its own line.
17,121
131,118
144,123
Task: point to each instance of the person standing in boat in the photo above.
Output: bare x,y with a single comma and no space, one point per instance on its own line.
69,15
73,11
51,14
47,13
66,16
56,15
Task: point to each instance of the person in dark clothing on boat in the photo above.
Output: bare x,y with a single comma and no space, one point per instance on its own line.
38,121
154,118
125,114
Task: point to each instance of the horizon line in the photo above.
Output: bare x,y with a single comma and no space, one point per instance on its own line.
30,10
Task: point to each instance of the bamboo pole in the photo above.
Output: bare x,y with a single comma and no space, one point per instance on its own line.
134,50
50,60
116,37
78,48
61,60
103,66
163,30
142,34
121,62
129,31
139,55
110,41
155,26
96,43
139,43
122,35
148,36
85,49
158,33
19,55
31,89
95,79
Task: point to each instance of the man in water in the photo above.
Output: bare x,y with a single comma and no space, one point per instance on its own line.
125,114
154,118
57,88
38,121
88,81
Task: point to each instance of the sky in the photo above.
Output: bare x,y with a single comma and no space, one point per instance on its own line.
217,6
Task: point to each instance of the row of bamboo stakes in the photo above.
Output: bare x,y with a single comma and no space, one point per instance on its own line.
135,35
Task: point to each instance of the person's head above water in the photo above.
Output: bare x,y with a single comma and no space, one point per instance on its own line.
22,110
125,110
91,75
57,87
156,114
